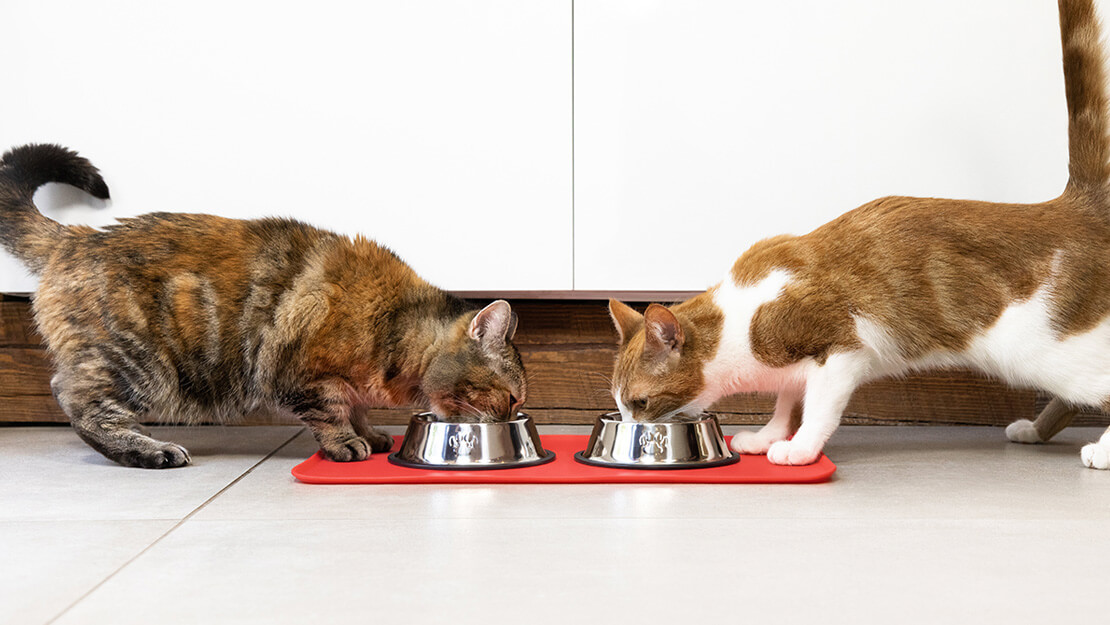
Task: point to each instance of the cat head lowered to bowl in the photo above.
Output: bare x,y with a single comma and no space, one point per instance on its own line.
477,375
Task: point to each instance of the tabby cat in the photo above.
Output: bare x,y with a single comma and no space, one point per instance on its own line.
1021,292
183,316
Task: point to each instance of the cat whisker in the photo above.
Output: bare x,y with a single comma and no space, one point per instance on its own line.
602,375
604,378
471,409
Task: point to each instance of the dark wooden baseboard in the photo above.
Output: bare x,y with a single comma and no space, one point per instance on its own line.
568,348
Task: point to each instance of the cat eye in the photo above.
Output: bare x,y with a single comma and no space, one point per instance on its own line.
512,400
638,405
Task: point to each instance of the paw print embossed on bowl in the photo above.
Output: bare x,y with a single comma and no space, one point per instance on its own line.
687,444
452,445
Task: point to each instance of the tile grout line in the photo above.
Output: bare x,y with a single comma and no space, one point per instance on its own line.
172,529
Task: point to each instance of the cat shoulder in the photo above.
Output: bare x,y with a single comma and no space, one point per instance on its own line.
778,252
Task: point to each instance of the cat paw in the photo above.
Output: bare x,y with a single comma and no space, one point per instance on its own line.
1095,456
352,449
792,453
1022,431
751,443
158,456
380,442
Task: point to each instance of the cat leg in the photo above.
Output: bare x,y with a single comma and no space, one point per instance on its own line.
1055,417
379,441
105,419
780,427
323,407
1097,455
828,389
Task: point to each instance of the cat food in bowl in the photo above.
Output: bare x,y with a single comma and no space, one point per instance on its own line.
451,445
689,444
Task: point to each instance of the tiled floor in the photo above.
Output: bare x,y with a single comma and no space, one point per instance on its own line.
920,525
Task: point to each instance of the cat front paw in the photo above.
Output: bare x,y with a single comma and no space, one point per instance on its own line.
1022,431
792,453
157,455
751,443
1095,456
379,441
352,449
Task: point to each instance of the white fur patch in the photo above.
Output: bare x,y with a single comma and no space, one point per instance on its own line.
792,453
734,369
626,412
1097,455
1021,348
886,355
1022,431
749,442
828,389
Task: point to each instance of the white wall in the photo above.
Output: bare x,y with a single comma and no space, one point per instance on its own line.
443,128
703,126
438,127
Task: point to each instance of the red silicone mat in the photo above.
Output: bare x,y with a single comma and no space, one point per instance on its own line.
564,470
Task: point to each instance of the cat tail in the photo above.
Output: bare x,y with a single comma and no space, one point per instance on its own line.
25,232
1085,86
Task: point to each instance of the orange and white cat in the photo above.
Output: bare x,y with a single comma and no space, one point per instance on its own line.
1020,292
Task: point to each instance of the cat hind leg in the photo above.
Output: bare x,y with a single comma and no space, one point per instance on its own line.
1055,417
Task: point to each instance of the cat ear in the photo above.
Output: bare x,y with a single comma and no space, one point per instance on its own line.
511,332
493,325
624,318
663,333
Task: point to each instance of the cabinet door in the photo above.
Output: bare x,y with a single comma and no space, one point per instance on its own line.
704,126
440,128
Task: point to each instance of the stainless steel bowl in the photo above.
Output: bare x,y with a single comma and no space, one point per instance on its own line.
689,444
433,444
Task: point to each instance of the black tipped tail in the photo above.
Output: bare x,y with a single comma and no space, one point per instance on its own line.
25,232
31,166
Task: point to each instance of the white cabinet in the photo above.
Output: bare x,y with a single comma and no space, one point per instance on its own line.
437,127
444,129
703,126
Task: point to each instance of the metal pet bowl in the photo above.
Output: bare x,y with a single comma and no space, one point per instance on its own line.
692,444
454,446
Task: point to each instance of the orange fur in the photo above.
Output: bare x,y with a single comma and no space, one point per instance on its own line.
931,275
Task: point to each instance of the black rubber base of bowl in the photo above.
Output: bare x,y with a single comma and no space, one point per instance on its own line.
732,459
394,459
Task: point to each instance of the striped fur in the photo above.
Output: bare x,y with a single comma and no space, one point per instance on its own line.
184,317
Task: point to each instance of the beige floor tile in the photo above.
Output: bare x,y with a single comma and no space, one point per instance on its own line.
47,565
613,570
48,473
921,524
